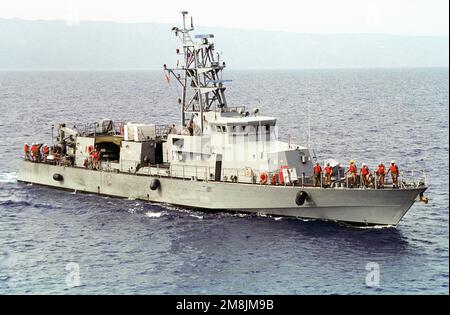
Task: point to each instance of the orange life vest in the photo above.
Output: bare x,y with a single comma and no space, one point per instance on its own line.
317,169
352,168
328,170
364,170
381,169
393,169
273,179
26,148
263,178
45,150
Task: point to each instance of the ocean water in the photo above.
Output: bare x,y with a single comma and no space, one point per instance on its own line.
61,242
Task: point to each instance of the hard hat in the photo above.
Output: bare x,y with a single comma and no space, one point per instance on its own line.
392,162
364,164
317,162
45,145
352,161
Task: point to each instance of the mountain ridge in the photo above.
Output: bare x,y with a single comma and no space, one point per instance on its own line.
55,44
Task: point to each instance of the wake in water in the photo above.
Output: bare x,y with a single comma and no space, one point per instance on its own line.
365,227
154,214
375,227
8,177
153,210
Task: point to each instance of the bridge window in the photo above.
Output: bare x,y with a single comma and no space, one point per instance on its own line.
252,129
221,129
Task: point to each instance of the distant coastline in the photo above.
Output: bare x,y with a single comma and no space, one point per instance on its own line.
114,46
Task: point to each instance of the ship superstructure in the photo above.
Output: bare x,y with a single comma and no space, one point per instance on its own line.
218,136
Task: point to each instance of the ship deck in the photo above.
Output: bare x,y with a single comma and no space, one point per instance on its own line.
165,170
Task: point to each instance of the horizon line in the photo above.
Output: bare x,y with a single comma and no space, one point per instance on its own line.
236,69
215,27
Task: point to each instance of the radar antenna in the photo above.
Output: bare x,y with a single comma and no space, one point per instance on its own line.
201,71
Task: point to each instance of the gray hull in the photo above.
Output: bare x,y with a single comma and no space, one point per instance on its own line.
366,206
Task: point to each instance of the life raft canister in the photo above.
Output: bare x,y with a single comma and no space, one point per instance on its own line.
300,198
263,178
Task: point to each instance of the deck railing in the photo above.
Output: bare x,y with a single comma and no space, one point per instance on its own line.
247,175
406,179
115,128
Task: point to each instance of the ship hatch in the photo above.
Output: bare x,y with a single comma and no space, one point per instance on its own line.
110,148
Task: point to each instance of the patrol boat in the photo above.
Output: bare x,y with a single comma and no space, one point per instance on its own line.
219,157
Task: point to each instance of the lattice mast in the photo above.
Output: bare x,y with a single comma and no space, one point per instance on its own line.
199,74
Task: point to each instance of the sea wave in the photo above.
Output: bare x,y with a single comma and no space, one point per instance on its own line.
154,214
15,203
8,177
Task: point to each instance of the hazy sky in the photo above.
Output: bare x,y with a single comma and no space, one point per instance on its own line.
412,17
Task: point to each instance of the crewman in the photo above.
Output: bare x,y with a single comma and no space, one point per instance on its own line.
33,151
365,174
37,150
26,150
45,152
96,158
317,173
191,128
381,173
173,129
91,151
328,173
394,174
56,152
352,170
